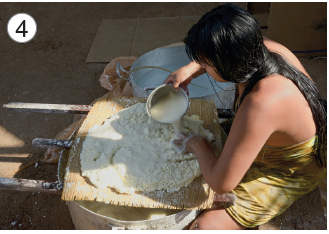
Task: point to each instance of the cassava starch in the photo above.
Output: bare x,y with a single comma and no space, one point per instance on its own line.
132,152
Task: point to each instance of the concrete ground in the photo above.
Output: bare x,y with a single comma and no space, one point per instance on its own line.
51,69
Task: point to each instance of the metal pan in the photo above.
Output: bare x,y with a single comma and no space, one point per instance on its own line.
171,59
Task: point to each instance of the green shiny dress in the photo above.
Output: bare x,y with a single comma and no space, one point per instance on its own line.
277,177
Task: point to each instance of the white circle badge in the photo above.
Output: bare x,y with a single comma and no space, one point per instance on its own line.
21,27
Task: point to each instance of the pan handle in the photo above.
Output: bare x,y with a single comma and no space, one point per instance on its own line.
52,143
28,185
119,69
147,89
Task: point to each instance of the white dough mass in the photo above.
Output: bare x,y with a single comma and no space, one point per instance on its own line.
131,152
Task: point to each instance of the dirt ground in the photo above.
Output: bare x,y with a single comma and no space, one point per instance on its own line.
51,69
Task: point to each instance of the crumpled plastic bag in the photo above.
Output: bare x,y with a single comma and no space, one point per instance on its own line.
110,80
117,88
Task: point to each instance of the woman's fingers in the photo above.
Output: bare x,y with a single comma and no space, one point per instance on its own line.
175,83
182,136
182,76
169,80
184,86
180,141
183,143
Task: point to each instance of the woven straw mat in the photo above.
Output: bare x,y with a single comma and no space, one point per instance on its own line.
197,195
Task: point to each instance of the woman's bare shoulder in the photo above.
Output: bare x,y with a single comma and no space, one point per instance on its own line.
270,89
272,97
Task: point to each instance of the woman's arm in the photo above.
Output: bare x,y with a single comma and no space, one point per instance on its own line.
252,126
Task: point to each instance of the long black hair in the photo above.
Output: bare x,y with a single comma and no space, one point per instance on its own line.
229,39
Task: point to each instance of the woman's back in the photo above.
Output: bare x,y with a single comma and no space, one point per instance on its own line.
291,118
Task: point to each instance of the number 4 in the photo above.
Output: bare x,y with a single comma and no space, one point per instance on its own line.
22,25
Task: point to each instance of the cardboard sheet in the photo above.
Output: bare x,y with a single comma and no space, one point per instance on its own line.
134,37
114,38
153,33
300,26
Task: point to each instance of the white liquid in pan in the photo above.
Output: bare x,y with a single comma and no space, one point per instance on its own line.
170,109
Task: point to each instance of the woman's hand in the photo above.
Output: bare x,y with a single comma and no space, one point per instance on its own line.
183,76
190,143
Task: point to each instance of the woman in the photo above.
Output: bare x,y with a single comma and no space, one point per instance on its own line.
276,148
